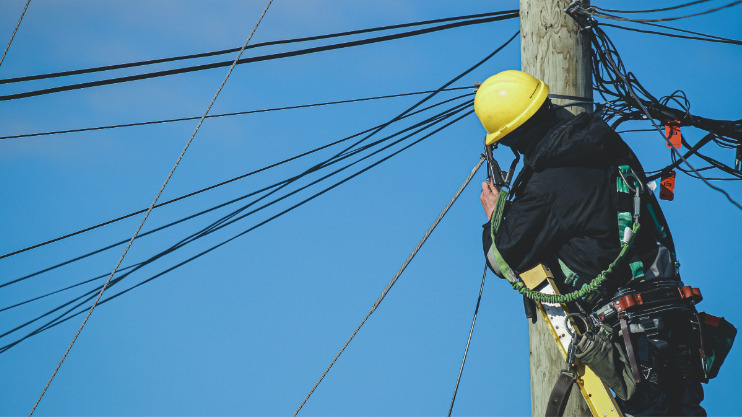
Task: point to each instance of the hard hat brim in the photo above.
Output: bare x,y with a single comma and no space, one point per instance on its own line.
538,98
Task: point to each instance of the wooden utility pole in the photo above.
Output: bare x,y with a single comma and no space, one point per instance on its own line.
553,50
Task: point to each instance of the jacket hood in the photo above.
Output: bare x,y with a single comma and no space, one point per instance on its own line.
579,140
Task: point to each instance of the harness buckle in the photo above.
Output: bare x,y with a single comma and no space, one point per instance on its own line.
628,302
690,294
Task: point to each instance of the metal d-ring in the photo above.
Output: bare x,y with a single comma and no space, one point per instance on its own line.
567,324
632,174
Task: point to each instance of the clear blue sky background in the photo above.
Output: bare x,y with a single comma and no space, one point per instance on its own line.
248,328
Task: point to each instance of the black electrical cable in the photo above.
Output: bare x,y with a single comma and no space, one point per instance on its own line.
257,45
605,81
310,198
304,201
705,38
689,31
69,287
87,229
605,51
212,227
280,184
253,59
442,88
209,229
629,82
666,19
691,150
651,10
61,319
182,119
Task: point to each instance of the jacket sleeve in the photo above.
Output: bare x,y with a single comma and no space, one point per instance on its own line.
525,233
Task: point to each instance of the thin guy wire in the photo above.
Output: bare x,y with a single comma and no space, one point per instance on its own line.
151,207
468,341
394,280
14,32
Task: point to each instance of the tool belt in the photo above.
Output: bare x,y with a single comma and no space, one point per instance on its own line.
650,299
638,309
641,309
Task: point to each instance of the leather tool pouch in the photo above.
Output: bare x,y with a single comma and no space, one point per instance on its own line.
717,337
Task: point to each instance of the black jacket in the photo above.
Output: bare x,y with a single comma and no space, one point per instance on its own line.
566,205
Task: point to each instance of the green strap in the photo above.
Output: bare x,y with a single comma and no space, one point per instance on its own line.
620,184
637,269
495,221
583,292
570,277
660,229
626,220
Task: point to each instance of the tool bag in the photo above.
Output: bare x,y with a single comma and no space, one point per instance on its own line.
601,351
717,337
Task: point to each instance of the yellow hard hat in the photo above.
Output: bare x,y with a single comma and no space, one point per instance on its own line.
506,100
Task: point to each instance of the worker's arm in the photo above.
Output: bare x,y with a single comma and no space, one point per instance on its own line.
525,232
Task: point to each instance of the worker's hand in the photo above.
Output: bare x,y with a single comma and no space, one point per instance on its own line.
488,197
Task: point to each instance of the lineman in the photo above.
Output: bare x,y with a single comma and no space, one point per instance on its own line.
576,201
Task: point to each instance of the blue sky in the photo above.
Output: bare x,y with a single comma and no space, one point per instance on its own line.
248,328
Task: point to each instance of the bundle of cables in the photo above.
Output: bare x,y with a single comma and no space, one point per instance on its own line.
625,99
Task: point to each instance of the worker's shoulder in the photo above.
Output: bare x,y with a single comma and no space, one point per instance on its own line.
569,185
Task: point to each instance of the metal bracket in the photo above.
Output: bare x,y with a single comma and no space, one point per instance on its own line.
582,15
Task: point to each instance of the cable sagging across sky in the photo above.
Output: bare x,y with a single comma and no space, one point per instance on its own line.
267,57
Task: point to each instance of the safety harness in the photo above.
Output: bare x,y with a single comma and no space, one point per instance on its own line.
628,224
636,307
